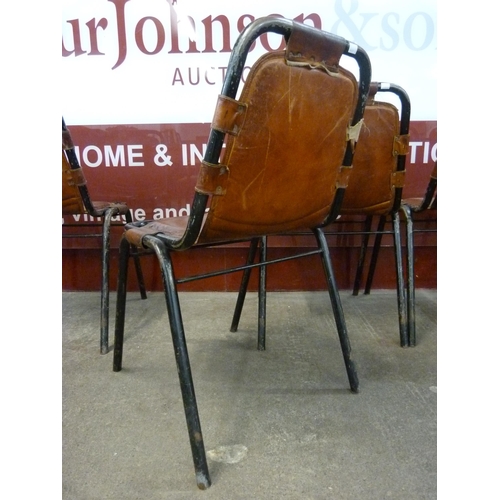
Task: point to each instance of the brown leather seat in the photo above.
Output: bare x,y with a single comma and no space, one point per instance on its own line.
76,200
289,146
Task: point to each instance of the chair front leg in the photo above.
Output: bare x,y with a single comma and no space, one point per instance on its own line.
182,360
401,294
106,228
121,296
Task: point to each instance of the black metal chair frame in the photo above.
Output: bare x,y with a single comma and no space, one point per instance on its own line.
105,215
162,245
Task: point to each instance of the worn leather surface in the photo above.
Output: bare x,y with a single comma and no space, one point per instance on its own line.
284,152
72,181
72,202
284,162
373,176
314,48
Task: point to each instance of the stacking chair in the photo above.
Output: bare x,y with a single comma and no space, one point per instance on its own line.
290,139
76,200
376,184
411,207
374,189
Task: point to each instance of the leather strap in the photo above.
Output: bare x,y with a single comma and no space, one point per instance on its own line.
343,177
401,145
398,178
229,115
75,177
212,179
307,46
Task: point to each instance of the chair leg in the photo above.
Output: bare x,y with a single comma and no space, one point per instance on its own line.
261,340
106,226
375,252
138,271
337,309
402,307
182,360
362,254
121,296
410,286
244,285
137,264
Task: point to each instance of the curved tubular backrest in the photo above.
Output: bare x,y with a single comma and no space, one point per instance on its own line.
404,130
376,182
75,196
271,112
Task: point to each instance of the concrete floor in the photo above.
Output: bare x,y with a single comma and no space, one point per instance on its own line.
279,424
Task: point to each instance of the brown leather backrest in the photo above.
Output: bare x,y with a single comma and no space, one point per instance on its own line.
283,160
72,202
373,176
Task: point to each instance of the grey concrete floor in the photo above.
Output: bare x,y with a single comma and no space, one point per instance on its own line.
278,424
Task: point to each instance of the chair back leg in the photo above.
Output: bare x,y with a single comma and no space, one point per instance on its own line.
137,263
261,336
337,309
106,234
252,251
362,255
375,253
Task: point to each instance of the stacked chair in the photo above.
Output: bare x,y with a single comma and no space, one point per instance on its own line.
375,189
410,208
376,185
76,200
290,137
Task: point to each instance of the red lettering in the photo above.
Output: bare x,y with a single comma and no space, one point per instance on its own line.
160,35
92,26
122,37
220,26
226,42
77,42
316,20
174,34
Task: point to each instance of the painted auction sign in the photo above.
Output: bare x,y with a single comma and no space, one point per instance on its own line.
145,75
